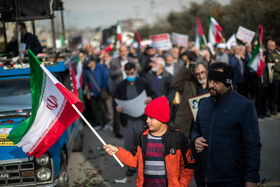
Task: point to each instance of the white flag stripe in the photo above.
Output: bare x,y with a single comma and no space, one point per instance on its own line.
79,74
154,163
44,116
255,63
54,80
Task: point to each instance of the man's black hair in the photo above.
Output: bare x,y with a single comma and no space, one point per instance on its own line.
128,66
83,51
22,24
227,69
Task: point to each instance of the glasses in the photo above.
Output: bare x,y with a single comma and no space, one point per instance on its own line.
200,73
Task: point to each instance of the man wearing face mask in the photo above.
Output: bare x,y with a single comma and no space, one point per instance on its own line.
226,133
128,89
117,74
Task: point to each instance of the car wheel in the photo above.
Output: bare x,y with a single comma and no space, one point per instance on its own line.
78,143
63,177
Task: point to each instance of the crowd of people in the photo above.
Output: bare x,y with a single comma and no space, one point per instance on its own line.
180,74
220,146
166,75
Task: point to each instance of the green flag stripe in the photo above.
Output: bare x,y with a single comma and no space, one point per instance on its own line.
255,53
36,88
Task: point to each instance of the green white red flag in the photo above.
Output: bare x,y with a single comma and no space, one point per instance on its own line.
256,62
52,111
214,33
118,37
200,39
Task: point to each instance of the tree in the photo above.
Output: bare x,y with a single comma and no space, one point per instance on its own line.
249,14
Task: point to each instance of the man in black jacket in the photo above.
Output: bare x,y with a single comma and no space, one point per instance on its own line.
128,89
226,133
28,41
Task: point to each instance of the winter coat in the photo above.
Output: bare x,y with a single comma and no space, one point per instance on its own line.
230,126
187,87
179,162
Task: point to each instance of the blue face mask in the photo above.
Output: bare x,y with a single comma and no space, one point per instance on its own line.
131,79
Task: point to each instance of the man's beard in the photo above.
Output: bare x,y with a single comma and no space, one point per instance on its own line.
214,95
201,81
123,57
155,69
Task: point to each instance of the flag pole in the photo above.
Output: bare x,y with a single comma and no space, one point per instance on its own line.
96,134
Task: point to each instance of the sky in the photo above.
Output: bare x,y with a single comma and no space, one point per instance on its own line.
104,13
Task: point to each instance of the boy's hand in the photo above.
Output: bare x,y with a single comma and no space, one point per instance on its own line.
110,149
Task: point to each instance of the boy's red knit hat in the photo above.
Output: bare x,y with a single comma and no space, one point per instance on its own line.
158,109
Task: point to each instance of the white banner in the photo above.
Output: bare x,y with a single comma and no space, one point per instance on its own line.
134,107
180,39
161,41
231,41
245,35
146,42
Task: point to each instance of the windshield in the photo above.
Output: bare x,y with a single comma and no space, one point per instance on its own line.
15,95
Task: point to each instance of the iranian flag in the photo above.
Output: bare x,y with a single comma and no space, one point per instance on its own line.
200,39
52,111
118,37
214,33
256,62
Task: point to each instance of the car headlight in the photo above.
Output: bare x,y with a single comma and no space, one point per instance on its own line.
43,160
43,174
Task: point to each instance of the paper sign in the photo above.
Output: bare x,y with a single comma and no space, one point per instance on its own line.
193,103
161,41
180,39
231,41
245,35
146,42
134,107
4,132
22,47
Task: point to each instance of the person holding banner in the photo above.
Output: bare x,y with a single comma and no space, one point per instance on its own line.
126,90
117,74
226,132
161,153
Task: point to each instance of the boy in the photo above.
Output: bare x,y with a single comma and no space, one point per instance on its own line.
161,153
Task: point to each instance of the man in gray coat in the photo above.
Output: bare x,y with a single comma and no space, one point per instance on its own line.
117,74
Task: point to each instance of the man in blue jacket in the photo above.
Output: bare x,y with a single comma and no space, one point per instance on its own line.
96,78
226,133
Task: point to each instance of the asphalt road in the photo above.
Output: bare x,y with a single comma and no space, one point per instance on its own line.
93,167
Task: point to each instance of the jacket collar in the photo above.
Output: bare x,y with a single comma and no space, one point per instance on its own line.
223,97
169,128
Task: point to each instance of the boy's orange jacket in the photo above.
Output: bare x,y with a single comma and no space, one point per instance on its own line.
179,163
